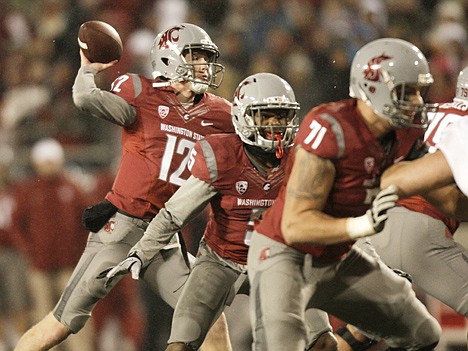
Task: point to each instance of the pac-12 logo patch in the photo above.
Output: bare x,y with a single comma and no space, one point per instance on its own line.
163,111
241,186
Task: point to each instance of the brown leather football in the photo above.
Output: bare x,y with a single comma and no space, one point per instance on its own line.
100,42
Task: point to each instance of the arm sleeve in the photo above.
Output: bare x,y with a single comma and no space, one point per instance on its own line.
186,203
100,103
454,145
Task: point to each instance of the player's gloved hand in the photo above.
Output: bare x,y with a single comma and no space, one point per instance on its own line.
373,220
131,264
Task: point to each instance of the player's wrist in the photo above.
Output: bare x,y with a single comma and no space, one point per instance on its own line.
134,254
359,227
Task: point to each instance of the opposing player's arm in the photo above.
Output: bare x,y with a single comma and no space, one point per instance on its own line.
420,176
450,200
186,203
100,103
307,191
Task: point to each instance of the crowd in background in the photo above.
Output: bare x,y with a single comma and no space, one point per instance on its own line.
310,43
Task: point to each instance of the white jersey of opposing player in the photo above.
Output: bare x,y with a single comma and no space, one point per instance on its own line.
447,113
448,132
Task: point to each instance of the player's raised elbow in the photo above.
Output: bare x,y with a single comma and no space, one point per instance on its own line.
291,231
82,100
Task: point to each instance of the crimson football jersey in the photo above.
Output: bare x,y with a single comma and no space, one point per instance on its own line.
446,114
156,148
243,193
336,131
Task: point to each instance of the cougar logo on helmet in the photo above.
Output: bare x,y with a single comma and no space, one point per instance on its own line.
172,58
237,95
169,36
383,72
257,99
372,72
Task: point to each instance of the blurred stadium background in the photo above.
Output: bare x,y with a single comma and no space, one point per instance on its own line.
308,42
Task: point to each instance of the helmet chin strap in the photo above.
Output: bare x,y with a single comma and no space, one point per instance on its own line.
198,88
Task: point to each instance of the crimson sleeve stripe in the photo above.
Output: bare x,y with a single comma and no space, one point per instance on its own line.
336,127
210,160
137,85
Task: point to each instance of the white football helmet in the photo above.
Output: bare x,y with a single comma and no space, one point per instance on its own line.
258,97
461,94
168,57
380,72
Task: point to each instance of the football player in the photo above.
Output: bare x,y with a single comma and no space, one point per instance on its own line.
161,119
446,165
240,176
301,253
418,237
422,244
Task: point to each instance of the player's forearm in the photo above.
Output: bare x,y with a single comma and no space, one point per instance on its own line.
186,203
314,227
158,234
100,103
451,201
418,177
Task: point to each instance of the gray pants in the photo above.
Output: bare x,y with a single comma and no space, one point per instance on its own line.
417,244
359,290
166,274
211,286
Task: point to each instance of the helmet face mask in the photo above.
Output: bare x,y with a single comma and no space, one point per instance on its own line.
175,57
385,73
408,105
215,71
267,127
264,112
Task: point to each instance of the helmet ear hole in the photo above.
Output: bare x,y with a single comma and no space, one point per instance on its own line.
165,61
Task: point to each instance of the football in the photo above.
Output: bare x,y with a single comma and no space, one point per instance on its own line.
100,42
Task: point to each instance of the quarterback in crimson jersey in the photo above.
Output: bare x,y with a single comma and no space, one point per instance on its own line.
157,146
161,119
239,175
301,253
